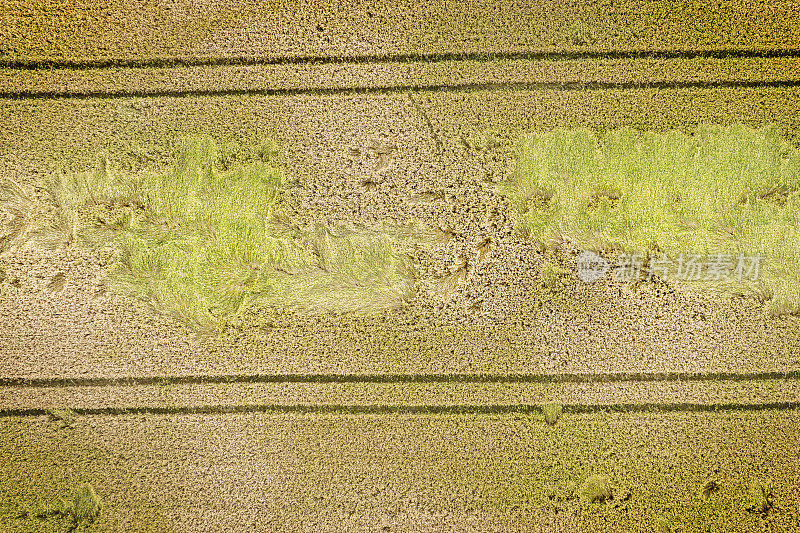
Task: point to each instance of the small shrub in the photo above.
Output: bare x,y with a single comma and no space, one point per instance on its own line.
710,487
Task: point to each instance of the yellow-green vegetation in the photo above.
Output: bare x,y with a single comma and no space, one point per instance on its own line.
82,509
86,505
218,232
722,190
14,203
552,287
552,412
52,481
580,34
597,489
151,29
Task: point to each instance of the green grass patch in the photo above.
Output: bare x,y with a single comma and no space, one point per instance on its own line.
218,232
729,190
597,488
552,412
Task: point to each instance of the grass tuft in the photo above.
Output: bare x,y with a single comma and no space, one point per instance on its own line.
15,204
711,486
81,509
552,412
86,505
597,489
760,498
732,190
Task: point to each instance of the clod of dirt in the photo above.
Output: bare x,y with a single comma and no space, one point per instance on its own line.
63,415
760,498
597,488
709,487
552,412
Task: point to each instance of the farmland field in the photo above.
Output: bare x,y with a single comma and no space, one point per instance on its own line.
272,267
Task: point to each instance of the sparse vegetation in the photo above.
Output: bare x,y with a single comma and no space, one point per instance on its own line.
727,190
217,232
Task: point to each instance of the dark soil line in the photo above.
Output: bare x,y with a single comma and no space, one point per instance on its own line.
165,62
397,378
391,89
411,409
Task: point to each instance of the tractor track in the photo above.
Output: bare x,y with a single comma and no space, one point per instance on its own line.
409,409
397,378
410,88
167,62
